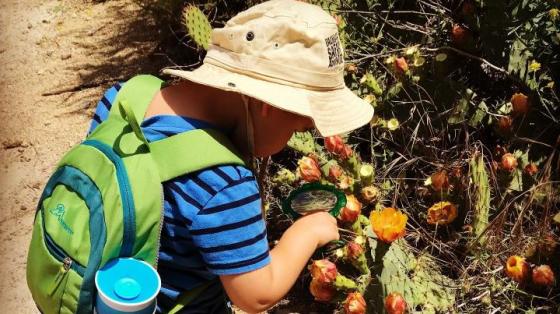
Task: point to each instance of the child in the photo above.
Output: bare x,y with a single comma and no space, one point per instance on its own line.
272,70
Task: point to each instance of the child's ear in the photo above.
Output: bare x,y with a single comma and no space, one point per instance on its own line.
264,109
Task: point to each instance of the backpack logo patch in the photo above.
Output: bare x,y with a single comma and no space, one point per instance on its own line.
59,212
334,50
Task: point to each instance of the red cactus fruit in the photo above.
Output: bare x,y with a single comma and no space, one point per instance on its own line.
308,169
355,304
335,145
520,104
468,8
460,35
354,250
509,162
321,292
335,171
543,276
401,66
531,169
352,210
323,271
440,181
395,304
505,124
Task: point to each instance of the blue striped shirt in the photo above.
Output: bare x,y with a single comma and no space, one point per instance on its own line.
212,221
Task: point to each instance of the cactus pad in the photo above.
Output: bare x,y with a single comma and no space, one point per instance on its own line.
418,279
198,26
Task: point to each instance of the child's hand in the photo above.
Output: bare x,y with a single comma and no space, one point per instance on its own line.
320,225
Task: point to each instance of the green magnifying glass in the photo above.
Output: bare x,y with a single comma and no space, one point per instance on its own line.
315,197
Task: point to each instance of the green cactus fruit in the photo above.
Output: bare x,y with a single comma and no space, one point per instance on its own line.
284,176
418,279
198,26
366,174
343,283
371,82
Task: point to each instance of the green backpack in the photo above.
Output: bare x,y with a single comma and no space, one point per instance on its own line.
105,199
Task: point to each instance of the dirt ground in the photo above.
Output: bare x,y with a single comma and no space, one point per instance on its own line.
56,59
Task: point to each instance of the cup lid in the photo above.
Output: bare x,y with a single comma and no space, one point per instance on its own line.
128,281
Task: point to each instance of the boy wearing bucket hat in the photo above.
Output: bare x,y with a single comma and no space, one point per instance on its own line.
274,69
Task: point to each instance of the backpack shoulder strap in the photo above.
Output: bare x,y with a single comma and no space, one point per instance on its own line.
138,92
192,151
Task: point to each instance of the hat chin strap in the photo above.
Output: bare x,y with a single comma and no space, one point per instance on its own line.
249,127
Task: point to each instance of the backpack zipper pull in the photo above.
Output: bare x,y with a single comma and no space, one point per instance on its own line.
67,263
64,268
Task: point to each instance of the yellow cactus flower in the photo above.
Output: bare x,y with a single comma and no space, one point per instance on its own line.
534,66
393,124
554,13
388,224
442,213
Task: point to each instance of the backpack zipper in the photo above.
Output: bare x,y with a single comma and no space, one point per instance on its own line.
161,217
67,262
127,201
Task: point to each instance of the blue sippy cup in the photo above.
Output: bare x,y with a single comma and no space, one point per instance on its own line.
126,286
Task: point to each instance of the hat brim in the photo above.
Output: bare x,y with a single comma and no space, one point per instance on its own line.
333,112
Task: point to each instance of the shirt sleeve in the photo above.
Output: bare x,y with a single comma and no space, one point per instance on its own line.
104,106
229,231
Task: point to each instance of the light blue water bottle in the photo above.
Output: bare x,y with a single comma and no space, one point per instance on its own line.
126,286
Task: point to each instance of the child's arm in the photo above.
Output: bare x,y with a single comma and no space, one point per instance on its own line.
260,289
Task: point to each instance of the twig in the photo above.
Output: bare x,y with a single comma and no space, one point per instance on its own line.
468,55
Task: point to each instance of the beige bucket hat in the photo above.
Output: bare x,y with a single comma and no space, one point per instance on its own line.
286,53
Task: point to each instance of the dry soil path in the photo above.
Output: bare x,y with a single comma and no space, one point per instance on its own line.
72,50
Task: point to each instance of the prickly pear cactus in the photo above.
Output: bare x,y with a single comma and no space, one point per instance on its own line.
303,142
328,5
198,26
417,279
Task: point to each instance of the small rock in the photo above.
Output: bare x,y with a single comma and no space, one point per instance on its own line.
29,26
65,56
45,21
23,208
21,150
49,53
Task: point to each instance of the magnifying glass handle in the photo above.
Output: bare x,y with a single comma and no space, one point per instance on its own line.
332,246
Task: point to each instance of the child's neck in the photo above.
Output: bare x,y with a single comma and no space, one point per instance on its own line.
222,109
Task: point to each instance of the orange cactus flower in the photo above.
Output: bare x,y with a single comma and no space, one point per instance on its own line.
440,181
388,224
517,268
321,292
543,276
355,304
395,304
509,162
531,169
401,66
442,213
520,104
352,210
323,271
308,169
